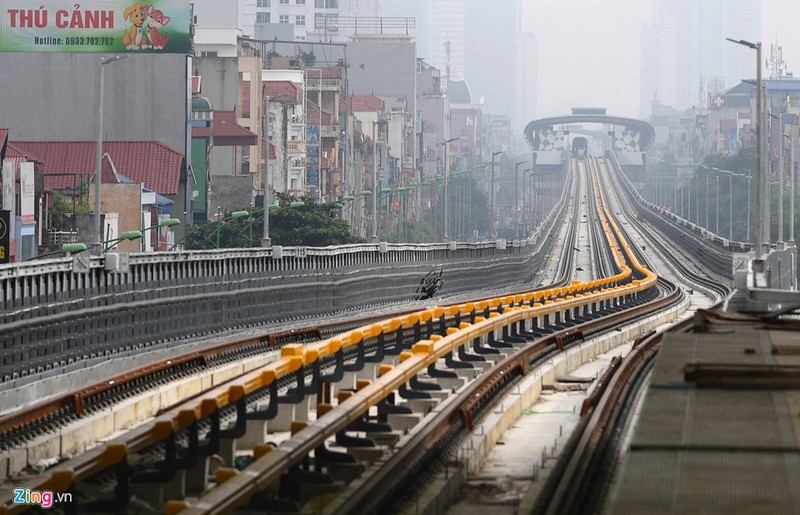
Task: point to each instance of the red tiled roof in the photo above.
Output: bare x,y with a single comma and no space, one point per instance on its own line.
3,137
245,90
272,154
227,132
313,114
366,103
155,165
324,73
288,91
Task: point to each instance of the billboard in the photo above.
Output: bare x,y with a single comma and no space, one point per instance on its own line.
26,192
626,141
10,205
100,26
5,236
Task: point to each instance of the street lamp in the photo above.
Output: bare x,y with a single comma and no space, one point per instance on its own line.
494,216
526,199
234,216
66,248
167,222
374,237
446,173
791,186
760,175
780,174
125,236
97,246
516,198
266,242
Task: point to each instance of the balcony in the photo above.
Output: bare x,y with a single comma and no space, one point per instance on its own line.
330,131
324,84
296,147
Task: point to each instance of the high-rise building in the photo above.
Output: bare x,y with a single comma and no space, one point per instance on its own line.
446,31
302,14
685,47
526,81
498,63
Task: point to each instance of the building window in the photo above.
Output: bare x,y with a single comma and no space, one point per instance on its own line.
300,2
284,2
300,20
262,3
284,18
326,4
262,17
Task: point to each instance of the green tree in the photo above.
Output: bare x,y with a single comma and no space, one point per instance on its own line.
309,225
230,234
309,59
742,164
312,224
64,207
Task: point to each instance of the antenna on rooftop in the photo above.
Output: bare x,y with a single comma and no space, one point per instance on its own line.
775,64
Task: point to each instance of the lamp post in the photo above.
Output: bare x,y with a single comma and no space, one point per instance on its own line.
791,186
167,222
780,174
446,173
374,236
66,248
516,198
127,235
97,246
749,211
266,242
730,207
525,200
760,175
716,226
730,201
494,215
234,216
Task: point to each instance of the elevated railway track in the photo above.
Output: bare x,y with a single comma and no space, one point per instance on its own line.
351,400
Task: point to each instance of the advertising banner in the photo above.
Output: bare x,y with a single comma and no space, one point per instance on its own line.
100,26
5,236
312,181
9,204
26,192
626,141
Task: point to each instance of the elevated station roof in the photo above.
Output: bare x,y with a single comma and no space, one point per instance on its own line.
646,131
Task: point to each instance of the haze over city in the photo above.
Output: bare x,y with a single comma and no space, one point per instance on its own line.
453,257
579,42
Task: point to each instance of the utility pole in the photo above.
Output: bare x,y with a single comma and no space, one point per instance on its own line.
446,174
494,214
760,140
791,188
374,237
516,199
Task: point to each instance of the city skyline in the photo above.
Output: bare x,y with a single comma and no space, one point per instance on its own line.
583,62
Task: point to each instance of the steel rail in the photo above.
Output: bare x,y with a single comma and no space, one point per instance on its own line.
236,491
460,415
569,488
44,417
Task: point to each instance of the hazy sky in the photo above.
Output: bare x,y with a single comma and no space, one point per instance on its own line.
589,50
